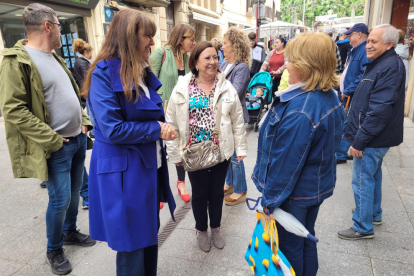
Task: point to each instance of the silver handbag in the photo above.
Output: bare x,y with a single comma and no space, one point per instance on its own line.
205,154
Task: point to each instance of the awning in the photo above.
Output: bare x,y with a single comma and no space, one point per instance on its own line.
207,19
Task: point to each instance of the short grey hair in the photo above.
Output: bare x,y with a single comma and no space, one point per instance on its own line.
35,15
390,34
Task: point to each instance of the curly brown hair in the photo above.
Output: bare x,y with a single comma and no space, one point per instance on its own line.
240,43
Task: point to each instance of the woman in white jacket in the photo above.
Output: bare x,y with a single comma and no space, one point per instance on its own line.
192,111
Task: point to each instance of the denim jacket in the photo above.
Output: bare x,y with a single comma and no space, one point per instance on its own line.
297,144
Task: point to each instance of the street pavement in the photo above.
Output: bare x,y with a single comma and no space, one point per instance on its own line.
23,234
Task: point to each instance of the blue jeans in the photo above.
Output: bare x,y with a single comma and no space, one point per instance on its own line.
300,252
140,262
84,190
236,176
91,118
65,169
344,146
366,183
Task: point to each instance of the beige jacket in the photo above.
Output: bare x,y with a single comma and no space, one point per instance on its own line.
232,132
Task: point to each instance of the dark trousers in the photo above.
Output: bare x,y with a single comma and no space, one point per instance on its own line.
143,261
180,173
300,252
140,262
276,83
207,187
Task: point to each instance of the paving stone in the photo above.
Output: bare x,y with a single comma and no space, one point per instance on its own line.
401,173
9,233
101,261
214,270
26,247
241,226
335,216
392,247
30,270
386,268
392,202
409,142
183,238
408,201
232,255
329,241
340,264
395,222
405,186
9,267
169,266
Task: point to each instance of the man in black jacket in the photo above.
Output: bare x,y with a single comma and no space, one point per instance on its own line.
375,124
257,55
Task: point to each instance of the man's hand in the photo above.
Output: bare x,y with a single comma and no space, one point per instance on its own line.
240,158
85,130
65,140
179,164
343,96
355,153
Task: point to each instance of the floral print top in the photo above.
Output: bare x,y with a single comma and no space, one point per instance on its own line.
201,113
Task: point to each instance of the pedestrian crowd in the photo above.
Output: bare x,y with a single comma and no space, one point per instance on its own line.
187,103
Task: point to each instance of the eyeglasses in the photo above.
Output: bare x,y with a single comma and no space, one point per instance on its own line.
351,34
57,24
208,59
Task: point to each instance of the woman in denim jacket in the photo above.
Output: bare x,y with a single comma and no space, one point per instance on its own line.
295,168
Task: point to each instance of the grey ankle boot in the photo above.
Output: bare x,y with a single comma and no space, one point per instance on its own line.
203,241
218,238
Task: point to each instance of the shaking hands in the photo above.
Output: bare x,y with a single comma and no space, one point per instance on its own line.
167,132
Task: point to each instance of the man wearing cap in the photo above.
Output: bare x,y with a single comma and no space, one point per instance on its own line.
375,123
343,45
329,31
353,69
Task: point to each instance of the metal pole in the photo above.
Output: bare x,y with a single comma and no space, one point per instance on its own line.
257,20
303,14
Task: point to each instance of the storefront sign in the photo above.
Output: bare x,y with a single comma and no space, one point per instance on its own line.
86,4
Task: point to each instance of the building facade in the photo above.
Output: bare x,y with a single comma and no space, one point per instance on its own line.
400,14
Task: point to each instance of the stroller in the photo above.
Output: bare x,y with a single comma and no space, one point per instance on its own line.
257,106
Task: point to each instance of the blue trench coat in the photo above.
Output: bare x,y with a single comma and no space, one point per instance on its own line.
123,169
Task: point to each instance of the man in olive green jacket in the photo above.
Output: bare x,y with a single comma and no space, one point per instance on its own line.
46,127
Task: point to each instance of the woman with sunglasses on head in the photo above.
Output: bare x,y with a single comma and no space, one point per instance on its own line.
236,49
169,63
205,110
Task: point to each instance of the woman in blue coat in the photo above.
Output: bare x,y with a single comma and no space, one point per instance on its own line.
128,170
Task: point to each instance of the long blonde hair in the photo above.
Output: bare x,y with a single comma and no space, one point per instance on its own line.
178,34
240,43
314,55
122,41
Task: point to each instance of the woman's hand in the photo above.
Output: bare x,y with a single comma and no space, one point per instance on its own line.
269,217
179,164
167,132
240,158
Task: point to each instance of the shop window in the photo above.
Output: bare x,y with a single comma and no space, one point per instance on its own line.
12,30
72,28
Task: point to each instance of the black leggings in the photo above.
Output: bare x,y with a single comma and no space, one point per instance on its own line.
276,83
180,173
207,187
